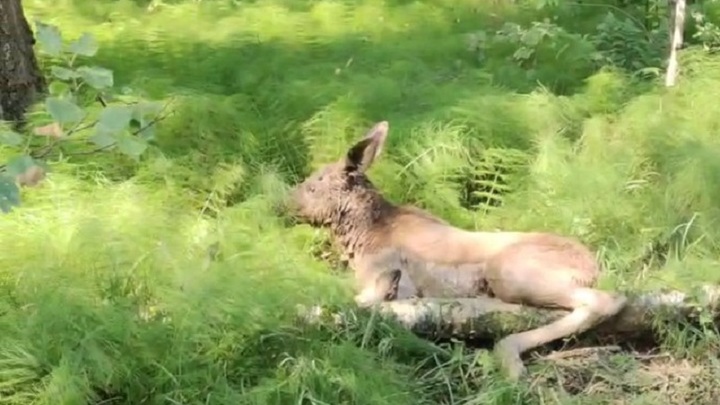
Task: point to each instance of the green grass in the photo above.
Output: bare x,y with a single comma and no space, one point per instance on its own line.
109,292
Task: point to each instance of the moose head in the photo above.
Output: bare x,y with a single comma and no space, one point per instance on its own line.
337,188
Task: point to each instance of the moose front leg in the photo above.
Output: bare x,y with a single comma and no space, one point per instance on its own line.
384,287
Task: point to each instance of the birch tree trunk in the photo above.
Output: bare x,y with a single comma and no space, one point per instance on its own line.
676,27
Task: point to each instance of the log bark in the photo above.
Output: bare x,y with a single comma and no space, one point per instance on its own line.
21,81
676,26
488,318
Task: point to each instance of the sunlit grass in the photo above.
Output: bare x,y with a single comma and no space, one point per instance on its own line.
95,265
112,291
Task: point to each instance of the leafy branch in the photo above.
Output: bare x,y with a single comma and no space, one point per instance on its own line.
80,109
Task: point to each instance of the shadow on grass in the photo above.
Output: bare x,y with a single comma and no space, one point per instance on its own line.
260,97
245,92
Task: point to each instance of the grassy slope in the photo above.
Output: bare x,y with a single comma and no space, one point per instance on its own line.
265,92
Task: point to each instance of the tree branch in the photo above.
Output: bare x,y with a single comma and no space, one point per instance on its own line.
150,123
46,150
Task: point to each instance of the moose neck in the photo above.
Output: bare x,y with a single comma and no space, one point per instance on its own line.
354,222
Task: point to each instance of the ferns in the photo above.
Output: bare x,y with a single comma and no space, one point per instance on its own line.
171,280
496,172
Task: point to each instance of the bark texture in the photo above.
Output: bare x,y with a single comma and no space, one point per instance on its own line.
488,318
21,81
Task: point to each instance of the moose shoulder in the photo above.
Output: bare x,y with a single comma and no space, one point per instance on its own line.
400,252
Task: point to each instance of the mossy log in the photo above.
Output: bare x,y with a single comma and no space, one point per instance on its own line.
488,318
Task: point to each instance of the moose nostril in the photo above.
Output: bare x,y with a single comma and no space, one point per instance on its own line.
280,208
289,221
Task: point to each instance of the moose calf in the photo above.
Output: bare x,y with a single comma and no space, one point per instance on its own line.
399,252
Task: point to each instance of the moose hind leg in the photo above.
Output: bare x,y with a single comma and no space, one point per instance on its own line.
590,307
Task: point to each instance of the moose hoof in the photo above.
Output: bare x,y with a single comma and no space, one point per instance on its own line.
360,301
510,361
366,300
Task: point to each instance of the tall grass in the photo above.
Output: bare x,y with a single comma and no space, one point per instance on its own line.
171,280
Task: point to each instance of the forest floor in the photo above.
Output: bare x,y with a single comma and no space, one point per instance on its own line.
265,91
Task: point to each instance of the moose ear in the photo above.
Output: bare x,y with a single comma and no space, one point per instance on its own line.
361,155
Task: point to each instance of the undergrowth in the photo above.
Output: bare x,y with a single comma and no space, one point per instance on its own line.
171,280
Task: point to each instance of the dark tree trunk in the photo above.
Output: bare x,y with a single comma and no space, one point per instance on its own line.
21,81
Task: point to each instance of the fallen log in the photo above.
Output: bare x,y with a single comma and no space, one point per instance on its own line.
488,318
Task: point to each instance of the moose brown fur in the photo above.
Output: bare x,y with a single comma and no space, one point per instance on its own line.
400,252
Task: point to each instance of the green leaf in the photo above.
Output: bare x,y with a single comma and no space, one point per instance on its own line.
26,171
132,146
58,88
85,45
146,107
63,73
49,38
96,77
523,53
19,165
114,119
102,139
532,38
9,194
64,111
10,138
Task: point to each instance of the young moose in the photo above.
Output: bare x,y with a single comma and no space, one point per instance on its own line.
399,252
